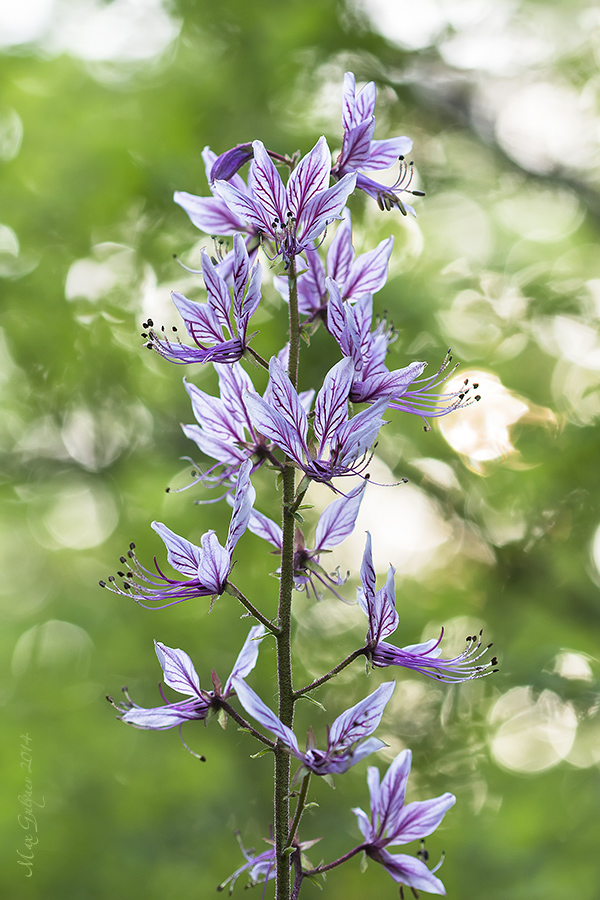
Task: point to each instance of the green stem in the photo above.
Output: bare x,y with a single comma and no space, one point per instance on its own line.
332,674
299,809
235,592
284,635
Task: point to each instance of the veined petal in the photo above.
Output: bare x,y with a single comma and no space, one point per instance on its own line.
210,214
218,294
361,720
243,206
357,143
331,405
323,208
391,793
255,707
247,657
160,718
265,528
357,435
267,185
309,178
245,496
341,251
284,399
215,564
182,554
410,871
199,318
213,416
385,153
272,424
178,669
419,819
368,272
338,520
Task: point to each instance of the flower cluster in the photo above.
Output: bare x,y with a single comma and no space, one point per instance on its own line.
316,435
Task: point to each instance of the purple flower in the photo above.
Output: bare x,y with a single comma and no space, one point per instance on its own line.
361,152
224,314
225,430
339,445
348,738
211,214
180,674
392,823
334,525
205,568
380,608
290,216
365,274
350,325
261,867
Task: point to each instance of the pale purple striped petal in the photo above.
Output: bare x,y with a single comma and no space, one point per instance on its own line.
243,206
245,496
182,554
323,208
385,153
420,819
284,399
368,273
265,528
357,142
162,717
338,520
355,437
309,178
218,294
388,802
275,427
199,319
215,564
213,416
331,405
410,871
341,251
255,707
267,185
178,669
210,214
361,720
247,657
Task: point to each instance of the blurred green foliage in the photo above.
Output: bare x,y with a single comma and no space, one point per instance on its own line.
96,133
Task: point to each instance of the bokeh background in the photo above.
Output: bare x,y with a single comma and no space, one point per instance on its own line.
104,111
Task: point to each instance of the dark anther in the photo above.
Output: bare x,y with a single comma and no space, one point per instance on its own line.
401,158
144,334
149,346
478,396
102,583
418,193
214,260
476,386
494,660
122,559
167,490
149,324
173,328
132,546
162,328
121,574
111,577
126,585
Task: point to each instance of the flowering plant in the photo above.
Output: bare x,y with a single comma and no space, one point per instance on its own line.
304,438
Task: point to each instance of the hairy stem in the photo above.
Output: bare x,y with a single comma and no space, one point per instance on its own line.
332,674
235,592
284,637
299,809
